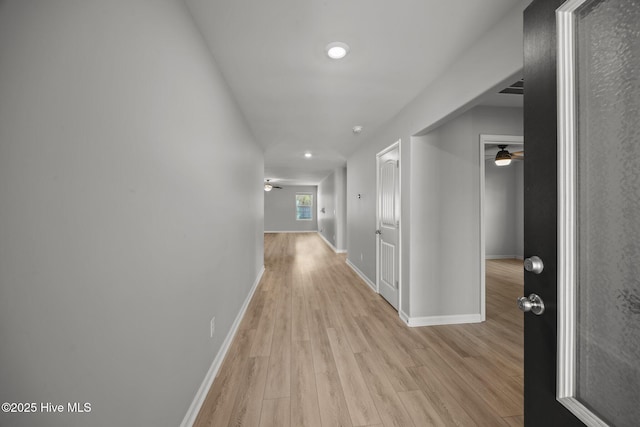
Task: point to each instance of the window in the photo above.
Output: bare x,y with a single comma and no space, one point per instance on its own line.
304,206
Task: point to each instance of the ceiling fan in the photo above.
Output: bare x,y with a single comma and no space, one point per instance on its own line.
504,157
268,186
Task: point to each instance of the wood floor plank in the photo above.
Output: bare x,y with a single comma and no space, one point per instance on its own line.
304,396
502,403
420,409
279,375
218,405
264,332
355,337
378,332
318,348
331,400
254,311
300,326
510,389
322,354
393,366
447,406
514,421
361,407
388,403
455,382
276,413
248,405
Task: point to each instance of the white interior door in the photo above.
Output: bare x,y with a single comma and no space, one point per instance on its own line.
388,220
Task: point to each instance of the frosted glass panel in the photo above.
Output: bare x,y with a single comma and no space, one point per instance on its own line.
608,189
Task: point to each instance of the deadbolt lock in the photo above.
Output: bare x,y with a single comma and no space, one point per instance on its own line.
534,265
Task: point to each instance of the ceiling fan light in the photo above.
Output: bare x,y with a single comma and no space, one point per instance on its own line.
268,187
503,158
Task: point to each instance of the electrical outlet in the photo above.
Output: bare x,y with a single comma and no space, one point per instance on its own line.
213,326
361,257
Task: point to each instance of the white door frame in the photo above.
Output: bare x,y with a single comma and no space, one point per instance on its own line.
378,155
485,140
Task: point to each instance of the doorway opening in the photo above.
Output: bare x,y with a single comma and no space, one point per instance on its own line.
501,204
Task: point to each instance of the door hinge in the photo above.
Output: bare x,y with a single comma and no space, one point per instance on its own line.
397,163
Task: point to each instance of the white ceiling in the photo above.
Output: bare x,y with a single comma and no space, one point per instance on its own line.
296,99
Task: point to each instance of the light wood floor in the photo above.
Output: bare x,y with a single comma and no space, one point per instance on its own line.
317,347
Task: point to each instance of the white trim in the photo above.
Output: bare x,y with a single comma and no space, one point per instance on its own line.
362,276
442,320
567,274
403,316
488,139
198,400
291,231
398,144
336,250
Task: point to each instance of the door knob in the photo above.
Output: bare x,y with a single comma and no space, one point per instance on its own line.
533,304
534,265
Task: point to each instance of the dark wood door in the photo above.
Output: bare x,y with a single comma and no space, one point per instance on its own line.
613,220
540,180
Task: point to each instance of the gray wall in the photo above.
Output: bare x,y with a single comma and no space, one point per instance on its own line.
495,59
445,196
503,210
341,208
118,242
280,209
332,197
327,202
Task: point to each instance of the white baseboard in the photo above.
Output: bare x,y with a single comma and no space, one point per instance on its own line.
362,276
333,248
292,231
336,250
504,257
441,320
403,316
198,400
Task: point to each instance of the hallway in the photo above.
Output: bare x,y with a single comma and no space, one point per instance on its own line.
318,348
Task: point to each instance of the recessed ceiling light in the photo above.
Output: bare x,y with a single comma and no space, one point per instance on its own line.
307,155
337,50
357,129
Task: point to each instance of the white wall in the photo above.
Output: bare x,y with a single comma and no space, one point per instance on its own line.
504,216
495,59
280,209
332,197
118,242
